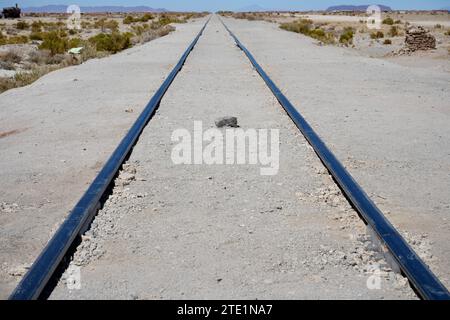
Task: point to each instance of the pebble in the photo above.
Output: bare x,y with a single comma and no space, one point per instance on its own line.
231,122
19,271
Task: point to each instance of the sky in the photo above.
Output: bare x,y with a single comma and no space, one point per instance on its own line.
214,5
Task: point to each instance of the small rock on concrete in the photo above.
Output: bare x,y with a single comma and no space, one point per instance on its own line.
231,122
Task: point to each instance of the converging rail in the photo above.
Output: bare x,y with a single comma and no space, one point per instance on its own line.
422,278
36,279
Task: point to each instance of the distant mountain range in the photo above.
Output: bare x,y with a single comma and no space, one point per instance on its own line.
63,8
356,8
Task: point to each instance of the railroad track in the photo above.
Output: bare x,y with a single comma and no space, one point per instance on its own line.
38,278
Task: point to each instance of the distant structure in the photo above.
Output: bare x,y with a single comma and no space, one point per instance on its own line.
11,12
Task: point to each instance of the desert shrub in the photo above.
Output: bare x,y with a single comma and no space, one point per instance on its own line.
347,36
86,25
377,35
302,26
62,33
306,27
114,42
24,78
54,42
75,43
2,38
152,34
104,24
56,59
140,29
317,33
100,24
112,25
388,21
6,84
321,35
438,26
36,26
40,56
387,41
393,32
17,40
168,19
90,52
398,22
448,32
22,25
9,58
164,31
128,20
37,36
146,17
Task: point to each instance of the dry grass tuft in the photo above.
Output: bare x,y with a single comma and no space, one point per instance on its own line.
307,27
22,79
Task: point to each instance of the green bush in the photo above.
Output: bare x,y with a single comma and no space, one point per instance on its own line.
305,26
36,26
321,35
448,32
75,43
393,32
86,25
37,36
113,43
388,21
128,20
302,26
168,19
140,29
146,17
347,36
377,35
17,40
23,78
112,25
54,42
387,41
22,25
2,38
104,24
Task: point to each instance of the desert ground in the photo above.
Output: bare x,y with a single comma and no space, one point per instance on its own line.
213,231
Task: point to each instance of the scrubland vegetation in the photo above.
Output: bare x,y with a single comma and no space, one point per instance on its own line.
351,29
47,41
317,31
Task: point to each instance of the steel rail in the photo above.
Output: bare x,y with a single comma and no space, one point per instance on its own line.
36,279
422,278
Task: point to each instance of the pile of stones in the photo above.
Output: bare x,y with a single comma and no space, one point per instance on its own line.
418,38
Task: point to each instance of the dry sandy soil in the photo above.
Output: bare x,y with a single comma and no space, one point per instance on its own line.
243,236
